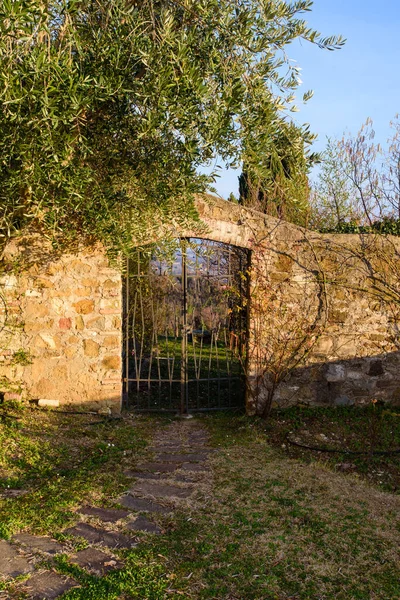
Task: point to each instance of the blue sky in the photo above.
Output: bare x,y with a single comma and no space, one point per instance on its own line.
361,80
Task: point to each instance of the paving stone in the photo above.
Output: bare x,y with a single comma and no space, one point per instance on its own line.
145,475
141,505
168,447
96,561
194,441
33,542
48,585
159,467
195,467
12,563
181,457
160,490
101,536
143,524
10,493
108,515
184,479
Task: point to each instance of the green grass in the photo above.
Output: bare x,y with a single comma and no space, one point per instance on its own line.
60,460
264,526
368,429
279,529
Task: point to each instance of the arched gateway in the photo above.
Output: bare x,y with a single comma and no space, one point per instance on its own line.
185,327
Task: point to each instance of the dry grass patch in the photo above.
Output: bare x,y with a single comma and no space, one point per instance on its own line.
276,528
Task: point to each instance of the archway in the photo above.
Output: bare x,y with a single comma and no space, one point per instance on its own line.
185,333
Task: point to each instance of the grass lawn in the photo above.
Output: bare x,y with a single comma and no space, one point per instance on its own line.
265,525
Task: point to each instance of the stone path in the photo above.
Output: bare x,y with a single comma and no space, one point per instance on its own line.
171,478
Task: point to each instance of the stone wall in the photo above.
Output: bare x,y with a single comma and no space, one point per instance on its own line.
337,295
61,337
341,292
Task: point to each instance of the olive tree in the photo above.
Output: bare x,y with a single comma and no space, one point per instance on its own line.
109,107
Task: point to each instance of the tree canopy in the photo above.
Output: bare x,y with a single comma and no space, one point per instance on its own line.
109,107
358,186
281,187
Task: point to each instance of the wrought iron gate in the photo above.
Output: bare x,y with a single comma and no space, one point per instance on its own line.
186,327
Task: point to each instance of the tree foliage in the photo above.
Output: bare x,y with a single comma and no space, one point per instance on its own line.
109,107
280,187
358,188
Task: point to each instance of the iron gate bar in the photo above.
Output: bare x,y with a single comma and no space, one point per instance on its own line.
184,358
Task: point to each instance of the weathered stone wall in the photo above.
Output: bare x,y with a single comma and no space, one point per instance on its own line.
340,292
332,299
61,337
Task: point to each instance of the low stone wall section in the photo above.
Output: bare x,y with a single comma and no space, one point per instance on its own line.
62,333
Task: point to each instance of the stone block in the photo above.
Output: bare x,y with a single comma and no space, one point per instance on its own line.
70,351
158,467
107,303
65,323
111,284
59,305
194,467
108,515
383,384
376,368
378,337
43,283
143,524
35,310
33,326
116,323
355,375
82,292
91,349
45,340
48,585
339,316
42,544
79,267
343,401
12,563
84,307
111,362
335,373
111,341
141,505
55,268
90,282
96,561
44,387
96,323
323,346
160,490
94,535
346,349
79,324
33,293
48,403
13,396
8,281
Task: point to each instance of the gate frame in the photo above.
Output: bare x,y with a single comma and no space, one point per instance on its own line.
183,408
